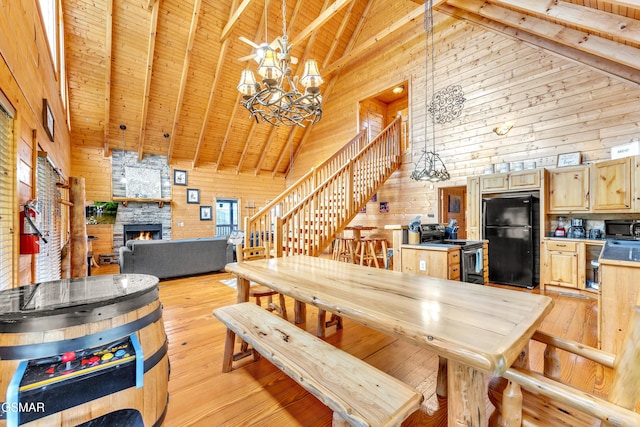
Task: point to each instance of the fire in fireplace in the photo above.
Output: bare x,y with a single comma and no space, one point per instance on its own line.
142,232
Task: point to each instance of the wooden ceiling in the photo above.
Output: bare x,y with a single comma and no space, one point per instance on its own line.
168,69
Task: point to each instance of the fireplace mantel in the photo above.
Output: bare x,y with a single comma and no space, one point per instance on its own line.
125,200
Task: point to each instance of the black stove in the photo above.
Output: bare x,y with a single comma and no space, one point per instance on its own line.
471,252
431,233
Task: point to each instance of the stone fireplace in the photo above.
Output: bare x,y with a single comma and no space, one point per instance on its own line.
137,215
141,232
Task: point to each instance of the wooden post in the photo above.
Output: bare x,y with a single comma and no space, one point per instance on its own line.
551,363
78,227
512,405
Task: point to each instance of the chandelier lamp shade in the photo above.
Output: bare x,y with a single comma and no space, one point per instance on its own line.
278,99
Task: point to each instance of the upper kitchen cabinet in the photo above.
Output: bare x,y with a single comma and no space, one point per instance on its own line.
611,185
568,189
514,181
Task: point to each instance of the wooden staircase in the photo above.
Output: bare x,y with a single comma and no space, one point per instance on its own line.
306,217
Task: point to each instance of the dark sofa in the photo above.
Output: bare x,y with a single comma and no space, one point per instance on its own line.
174,258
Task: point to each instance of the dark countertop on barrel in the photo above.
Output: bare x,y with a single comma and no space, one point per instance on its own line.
72,295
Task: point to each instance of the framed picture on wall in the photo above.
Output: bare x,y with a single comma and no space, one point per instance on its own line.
179,177
47,119
205,213
193,195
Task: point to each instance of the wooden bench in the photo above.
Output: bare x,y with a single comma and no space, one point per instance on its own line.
358,393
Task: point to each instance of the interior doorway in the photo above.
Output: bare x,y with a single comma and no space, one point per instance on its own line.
376,112
453,205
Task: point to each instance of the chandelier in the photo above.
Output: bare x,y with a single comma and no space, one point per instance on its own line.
446,105
279,100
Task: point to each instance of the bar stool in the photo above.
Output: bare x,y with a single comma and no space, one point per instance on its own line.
344,249
373,251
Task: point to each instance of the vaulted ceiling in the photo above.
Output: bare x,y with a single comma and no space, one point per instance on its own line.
168,69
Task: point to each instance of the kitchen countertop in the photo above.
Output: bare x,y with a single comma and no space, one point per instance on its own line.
623,252
573,239
441,246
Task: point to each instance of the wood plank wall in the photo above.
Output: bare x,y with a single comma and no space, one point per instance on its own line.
556,106
249,189
27,76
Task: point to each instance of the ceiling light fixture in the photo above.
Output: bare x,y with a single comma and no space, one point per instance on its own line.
123,179
446,105
278,100
398,90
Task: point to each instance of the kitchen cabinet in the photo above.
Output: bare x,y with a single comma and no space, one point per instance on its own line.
566,265
568,189
473,208
514,181
561,261
435,260
611,185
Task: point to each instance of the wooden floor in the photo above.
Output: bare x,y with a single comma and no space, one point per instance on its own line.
259,394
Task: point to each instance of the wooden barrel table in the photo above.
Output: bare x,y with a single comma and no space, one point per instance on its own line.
83,352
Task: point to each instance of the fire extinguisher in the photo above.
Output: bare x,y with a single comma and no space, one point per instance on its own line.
29,233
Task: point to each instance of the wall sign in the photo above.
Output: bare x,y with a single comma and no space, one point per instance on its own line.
569,159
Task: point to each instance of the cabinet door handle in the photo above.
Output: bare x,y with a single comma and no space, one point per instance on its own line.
562,245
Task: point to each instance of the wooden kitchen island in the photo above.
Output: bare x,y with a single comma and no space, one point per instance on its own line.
438,260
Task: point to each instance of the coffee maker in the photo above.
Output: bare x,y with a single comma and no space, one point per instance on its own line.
577,230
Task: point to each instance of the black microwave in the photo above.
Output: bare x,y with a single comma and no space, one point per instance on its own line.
622,229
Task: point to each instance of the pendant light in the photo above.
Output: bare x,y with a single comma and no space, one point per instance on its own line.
446,105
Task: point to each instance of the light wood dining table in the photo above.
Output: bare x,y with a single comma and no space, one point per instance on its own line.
478,329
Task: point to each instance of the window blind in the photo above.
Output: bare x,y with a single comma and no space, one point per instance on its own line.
6,198
50,219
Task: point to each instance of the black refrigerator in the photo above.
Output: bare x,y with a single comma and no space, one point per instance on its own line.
511,227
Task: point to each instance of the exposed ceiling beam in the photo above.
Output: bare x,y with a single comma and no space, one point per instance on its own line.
236,105
247,143
147,78
234,19
185,74
580,40
108,46
272,135
585,18
227,133
375,40
331,83
305,55
287,148
320,20
630,75
338,35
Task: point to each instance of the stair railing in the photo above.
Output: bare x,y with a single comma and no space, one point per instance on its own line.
305,218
